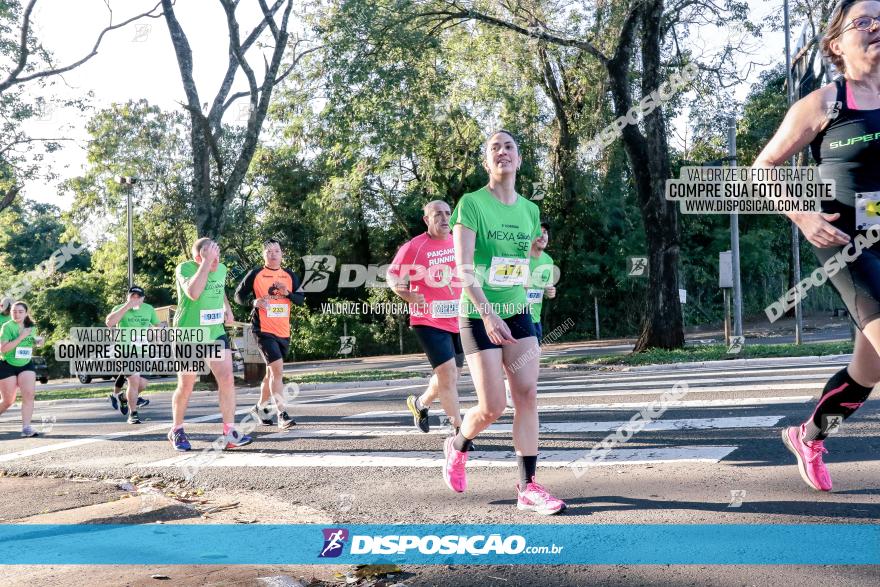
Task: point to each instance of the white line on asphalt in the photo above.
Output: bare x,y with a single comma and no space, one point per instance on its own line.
545,428
709,403
434,459
92,439
659,390
358,393
642,381
792,372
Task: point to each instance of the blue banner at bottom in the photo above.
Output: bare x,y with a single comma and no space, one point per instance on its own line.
568,544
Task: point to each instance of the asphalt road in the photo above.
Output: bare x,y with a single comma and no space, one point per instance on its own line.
355,457
416,363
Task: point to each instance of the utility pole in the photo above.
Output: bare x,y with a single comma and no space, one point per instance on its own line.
795,235
734,240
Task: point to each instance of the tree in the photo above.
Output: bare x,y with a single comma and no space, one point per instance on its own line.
214,183
24,60
630,51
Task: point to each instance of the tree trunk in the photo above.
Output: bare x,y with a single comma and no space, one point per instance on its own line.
649,158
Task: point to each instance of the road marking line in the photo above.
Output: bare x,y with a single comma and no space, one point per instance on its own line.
434,459
92,439
544,428
333,397
710,403
660,390
640,382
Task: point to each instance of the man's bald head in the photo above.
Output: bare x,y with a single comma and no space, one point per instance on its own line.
437,213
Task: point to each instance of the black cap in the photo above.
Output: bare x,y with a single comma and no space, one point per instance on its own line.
137,290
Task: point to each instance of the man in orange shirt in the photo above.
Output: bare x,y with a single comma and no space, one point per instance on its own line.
271,290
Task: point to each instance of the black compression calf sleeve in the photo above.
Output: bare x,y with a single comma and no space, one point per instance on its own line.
527,468
842,396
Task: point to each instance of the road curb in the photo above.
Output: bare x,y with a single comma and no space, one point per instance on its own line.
766,362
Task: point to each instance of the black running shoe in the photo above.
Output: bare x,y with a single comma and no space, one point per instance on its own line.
261,414
285,422
142,401
133,418
123,404
420,417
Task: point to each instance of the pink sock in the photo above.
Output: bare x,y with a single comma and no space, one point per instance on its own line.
227,428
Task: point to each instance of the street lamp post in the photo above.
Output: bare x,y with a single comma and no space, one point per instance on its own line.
795,236
129,182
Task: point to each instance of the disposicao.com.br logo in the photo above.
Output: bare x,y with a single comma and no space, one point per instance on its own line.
334,539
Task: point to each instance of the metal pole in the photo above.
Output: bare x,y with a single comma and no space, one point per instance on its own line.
726,292
795,236
596,314
130,245
734,240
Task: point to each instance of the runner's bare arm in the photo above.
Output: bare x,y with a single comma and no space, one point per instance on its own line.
9,345
803,122
113,318
464,240
195,285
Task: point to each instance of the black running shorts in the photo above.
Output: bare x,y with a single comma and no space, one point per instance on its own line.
440,345
475,339
272,347
7,370
857,281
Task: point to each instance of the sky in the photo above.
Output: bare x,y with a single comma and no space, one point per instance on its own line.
138,62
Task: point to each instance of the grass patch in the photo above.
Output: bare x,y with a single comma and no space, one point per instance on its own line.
348,376
715,352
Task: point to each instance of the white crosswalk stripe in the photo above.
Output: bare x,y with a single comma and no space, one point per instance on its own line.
556,458
747,399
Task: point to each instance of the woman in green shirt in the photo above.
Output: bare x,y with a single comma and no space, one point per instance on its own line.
493,230
5,303
17,342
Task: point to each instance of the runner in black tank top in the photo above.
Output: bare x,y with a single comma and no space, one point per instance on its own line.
841,124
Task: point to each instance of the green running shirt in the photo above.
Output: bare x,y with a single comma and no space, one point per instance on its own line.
207,311
504,235
541,270
22,354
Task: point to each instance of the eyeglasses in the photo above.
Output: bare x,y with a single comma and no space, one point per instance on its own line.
862,23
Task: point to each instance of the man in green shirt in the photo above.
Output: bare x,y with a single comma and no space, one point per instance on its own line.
543,277
134,313
202,303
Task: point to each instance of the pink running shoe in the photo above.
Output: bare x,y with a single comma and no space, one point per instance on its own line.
809,457
453,469
535,498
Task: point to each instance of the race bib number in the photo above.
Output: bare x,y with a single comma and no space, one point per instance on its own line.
277,311
444,309
534,296
867,210
508,271
211,317
24,352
